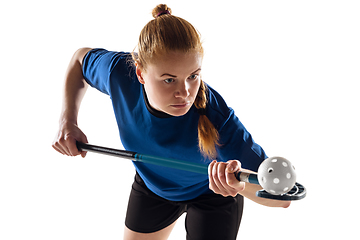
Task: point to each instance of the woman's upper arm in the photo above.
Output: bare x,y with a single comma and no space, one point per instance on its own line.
80,54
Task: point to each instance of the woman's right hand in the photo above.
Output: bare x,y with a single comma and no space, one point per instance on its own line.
65,141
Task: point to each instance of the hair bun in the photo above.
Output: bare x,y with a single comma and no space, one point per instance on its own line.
160,10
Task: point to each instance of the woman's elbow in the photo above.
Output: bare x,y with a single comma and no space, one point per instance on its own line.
286,204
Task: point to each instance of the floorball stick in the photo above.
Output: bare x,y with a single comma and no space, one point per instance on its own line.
296,192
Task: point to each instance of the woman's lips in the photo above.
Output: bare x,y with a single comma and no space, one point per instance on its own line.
183,105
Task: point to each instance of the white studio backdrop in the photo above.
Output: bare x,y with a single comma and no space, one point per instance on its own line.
289,69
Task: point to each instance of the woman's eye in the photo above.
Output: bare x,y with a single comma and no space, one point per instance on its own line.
193,76
169,80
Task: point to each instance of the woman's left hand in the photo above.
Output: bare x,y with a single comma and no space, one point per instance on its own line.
222,178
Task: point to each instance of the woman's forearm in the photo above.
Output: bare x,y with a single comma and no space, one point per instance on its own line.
74,88
250,193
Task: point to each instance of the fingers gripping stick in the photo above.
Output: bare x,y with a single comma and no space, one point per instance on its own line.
273,175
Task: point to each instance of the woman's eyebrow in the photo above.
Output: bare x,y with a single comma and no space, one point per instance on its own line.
168,74
197,70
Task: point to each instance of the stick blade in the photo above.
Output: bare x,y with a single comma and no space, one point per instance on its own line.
296,193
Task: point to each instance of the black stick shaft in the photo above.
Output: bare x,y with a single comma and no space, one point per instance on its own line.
107,151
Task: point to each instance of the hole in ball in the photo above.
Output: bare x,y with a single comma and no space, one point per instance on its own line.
285,164
270,170
274,160
263,179
276,180
288,175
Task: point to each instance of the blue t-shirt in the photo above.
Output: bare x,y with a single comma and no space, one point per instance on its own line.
143,131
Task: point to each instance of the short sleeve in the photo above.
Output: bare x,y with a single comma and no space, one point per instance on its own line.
236,143
97,66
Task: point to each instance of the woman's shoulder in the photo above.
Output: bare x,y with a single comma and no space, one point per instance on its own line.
111,59
217,107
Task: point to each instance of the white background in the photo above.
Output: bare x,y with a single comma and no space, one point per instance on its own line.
290,69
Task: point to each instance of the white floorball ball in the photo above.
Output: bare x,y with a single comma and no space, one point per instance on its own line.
276,175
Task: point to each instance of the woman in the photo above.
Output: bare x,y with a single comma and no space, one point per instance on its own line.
163,108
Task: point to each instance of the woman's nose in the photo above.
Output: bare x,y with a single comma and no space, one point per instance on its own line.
182,90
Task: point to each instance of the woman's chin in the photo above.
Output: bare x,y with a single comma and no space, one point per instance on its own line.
178,111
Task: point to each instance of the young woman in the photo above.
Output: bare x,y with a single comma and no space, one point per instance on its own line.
163,108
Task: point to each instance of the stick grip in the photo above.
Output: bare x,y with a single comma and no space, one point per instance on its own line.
247,177
107,151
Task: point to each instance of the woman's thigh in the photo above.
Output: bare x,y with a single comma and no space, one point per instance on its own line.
214,217
148,213
159,235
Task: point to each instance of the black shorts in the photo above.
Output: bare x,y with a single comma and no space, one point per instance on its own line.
210,216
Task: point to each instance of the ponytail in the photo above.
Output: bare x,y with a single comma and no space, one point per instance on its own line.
207,133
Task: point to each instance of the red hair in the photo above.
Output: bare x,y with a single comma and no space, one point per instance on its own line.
168,33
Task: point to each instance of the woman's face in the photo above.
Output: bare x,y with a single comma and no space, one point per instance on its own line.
172,83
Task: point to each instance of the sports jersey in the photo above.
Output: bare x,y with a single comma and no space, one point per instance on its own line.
145,130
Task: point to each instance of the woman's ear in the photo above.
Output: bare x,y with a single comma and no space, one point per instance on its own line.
139,73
